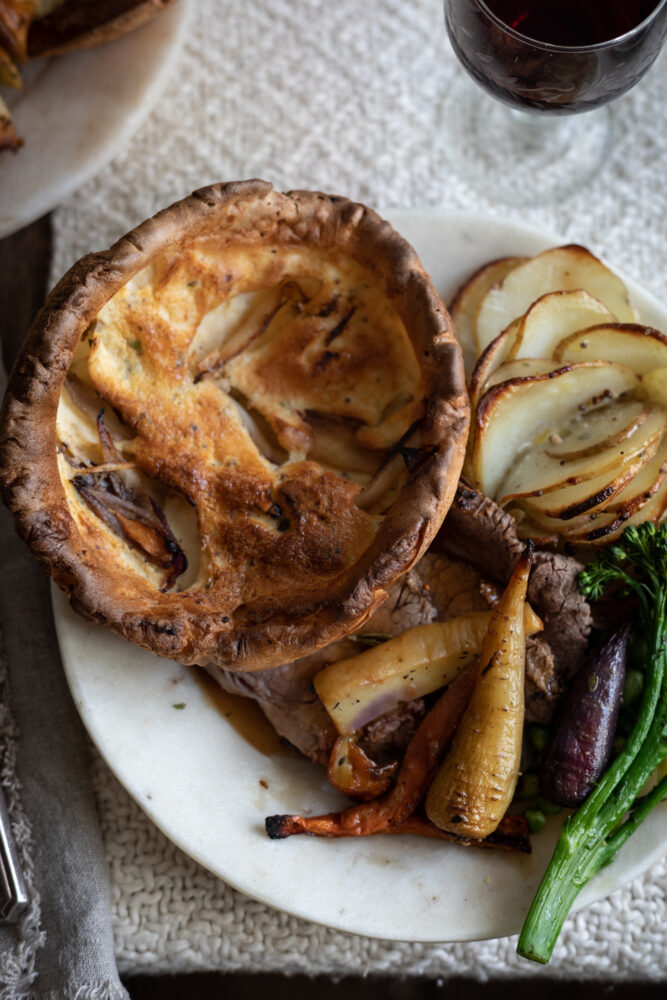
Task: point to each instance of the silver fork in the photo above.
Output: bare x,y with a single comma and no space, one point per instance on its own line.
13,892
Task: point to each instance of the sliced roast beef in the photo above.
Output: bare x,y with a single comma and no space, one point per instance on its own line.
479,532
386,738
454,587
484,535
555,595
543,685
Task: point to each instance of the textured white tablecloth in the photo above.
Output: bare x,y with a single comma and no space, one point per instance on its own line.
343,96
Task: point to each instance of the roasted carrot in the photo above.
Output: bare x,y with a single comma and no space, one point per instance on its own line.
511,835
421,760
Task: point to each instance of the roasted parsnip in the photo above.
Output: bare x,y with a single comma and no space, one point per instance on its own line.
476,782
357,690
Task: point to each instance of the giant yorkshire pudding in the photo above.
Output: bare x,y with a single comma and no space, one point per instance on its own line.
265,383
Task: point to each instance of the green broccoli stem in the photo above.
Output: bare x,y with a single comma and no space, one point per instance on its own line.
638,814
583,847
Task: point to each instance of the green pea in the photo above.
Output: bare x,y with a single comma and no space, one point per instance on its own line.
539,736
548,807
632,689
530,759
535,819
530,786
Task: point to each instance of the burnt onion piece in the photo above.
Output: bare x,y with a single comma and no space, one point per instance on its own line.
405,454
352,772
129,510
581,743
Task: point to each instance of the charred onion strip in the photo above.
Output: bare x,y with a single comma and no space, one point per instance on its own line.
290,293
130,511
403,455
339,327
421,761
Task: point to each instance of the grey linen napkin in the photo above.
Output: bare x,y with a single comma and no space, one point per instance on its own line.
62,949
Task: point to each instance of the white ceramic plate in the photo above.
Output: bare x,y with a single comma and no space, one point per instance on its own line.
77,111
209,790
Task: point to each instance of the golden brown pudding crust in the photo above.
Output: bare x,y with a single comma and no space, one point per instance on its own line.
266,354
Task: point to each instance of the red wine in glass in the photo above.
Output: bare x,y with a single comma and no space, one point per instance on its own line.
572,22
562,56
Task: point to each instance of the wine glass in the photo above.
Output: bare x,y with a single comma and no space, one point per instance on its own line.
545,62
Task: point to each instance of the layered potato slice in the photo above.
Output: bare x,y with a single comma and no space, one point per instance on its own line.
640,347
552,318
515,416
569,399
466,303
561,269
535,335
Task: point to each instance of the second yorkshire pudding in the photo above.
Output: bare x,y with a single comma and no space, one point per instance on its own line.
263,385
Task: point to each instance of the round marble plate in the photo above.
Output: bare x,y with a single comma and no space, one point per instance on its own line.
77,111
209,790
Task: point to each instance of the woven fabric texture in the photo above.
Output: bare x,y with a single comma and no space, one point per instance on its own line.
345,97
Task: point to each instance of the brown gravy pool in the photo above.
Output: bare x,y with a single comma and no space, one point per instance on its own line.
245,716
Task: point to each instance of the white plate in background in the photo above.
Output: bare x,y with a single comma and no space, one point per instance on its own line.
77,111
209,790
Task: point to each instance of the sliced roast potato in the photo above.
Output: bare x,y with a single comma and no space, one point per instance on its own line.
562,269
537,472
552,318
463,309
520,368
609,526
654,386
641,347
589,494
517,415
491,358
592,432
527,528
645,484
633,500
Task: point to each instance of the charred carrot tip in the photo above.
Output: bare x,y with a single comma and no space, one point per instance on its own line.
279,827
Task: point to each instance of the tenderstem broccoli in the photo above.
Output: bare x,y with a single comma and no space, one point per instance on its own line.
591,837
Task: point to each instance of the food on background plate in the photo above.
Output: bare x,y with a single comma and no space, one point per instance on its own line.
229,434
42,28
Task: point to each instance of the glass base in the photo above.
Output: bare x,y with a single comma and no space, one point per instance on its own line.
518,157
